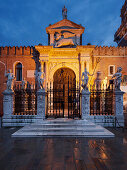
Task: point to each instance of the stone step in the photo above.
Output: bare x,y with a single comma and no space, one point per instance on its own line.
68,122
63,127
64,134
59,126
64,121
65,130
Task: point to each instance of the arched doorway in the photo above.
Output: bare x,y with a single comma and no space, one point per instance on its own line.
64,80
63,100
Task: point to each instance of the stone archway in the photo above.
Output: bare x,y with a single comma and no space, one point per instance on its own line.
64,79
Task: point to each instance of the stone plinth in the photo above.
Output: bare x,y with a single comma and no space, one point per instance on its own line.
7,103
119,107
41,104
85,105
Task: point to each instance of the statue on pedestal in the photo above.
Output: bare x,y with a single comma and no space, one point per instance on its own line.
118,78
97,81
10,78
64,13
85,79
39,79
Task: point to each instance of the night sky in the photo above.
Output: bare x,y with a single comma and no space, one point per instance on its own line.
23,22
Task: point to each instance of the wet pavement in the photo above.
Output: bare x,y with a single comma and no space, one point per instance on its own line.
63,153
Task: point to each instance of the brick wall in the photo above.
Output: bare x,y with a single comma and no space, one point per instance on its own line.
10,56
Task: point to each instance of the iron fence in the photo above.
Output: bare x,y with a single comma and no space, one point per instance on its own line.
102,100
25,101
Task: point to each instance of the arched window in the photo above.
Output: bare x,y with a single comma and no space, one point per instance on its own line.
18,72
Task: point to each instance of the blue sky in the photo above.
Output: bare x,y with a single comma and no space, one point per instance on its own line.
23,22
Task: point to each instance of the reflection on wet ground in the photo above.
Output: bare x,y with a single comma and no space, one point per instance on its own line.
63,153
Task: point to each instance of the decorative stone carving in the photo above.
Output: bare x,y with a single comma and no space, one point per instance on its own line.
64,42
10,78
52,65
118,79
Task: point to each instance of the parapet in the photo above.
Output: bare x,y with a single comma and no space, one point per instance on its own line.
16,50
109,51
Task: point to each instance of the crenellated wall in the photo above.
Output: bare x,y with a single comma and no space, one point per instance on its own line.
16,50
109,51
98,51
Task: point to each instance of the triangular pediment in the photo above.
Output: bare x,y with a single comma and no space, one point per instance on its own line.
64,24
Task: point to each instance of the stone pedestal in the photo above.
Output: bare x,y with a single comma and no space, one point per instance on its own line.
85,104
41,104
8,103
119,107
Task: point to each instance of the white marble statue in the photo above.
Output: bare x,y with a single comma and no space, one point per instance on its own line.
97,81
23,84
118,78
85,79
40,80
10,78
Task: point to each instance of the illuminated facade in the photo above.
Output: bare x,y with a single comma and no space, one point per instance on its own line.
64,51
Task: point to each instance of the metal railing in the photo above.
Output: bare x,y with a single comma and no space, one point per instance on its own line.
101,100
25,101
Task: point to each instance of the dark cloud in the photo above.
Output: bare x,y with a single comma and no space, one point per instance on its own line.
23,22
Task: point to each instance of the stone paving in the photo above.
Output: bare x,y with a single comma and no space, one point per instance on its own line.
63,153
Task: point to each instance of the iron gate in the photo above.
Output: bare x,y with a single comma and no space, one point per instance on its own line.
63,101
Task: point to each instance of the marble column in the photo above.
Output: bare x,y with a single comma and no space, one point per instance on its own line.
119,107
41,104
85,104
8,103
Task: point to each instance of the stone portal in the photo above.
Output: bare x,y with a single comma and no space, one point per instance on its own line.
64,79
